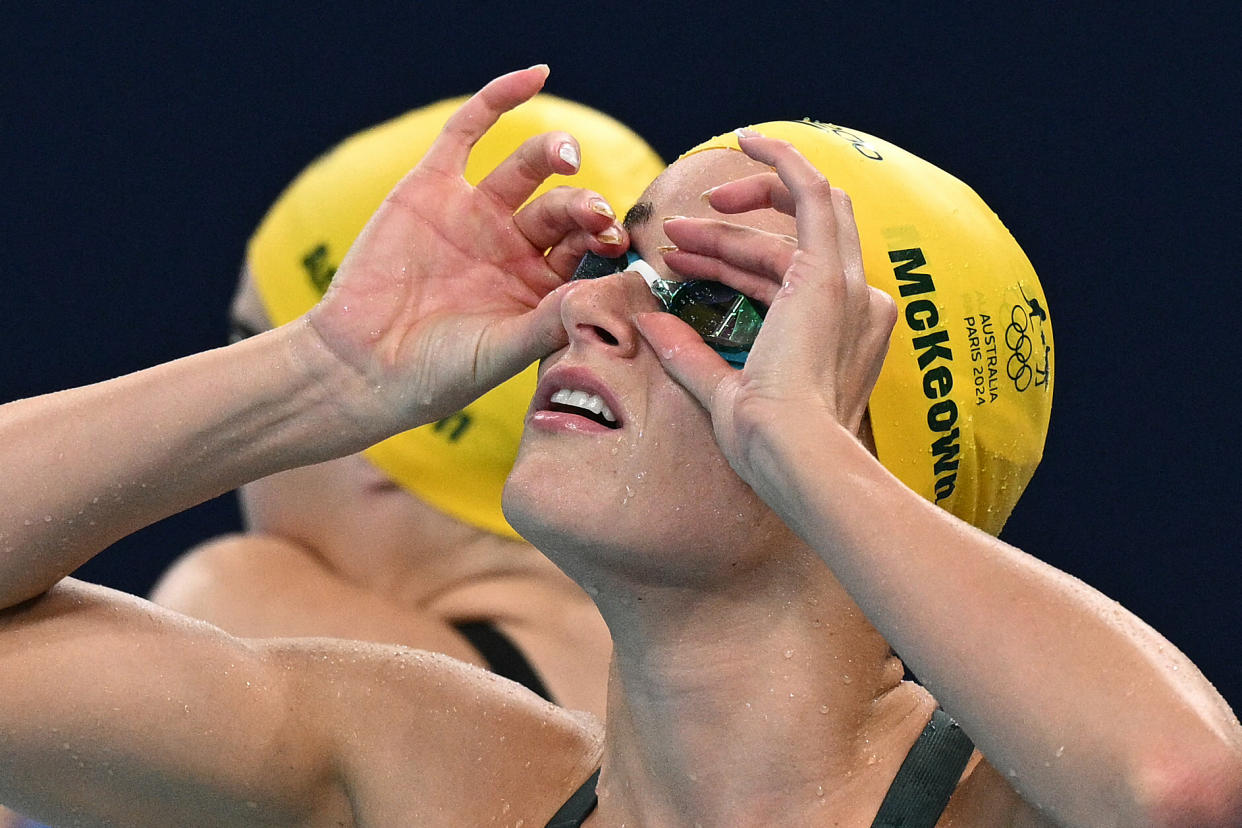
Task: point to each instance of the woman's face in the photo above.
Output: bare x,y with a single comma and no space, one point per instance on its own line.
652,482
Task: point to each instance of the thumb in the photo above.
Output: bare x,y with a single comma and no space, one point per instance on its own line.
684,355
523,339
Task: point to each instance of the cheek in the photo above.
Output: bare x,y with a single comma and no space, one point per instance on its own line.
677,461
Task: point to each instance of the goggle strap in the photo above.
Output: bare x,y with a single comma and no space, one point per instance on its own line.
653,280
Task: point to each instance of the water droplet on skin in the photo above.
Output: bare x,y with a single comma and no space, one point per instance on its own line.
789,653
47,518
819,790
629,492
1060,751
847,679
823,709
873,759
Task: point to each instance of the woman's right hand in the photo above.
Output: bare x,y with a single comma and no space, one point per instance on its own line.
450,288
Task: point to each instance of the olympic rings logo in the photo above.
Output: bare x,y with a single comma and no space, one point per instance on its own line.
1019,366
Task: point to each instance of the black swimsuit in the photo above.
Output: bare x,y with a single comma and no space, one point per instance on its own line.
502,655
918,796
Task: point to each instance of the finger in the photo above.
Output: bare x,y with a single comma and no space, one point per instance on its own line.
873,344
565,256
695,266
754,192
514,342
685,356
518,176
747,248
849,247
565,210
814,209
476,116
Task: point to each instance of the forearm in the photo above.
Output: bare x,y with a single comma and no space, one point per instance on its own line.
84,467
1085,707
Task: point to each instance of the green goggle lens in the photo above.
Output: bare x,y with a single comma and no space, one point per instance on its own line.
727,319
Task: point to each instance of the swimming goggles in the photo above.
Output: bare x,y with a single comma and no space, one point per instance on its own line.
727,319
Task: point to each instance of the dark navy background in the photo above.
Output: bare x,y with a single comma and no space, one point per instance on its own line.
142,144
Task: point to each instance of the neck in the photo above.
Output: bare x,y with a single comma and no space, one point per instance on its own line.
753,704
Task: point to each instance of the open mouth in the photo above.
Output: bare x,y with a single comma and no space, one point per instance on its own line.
584,404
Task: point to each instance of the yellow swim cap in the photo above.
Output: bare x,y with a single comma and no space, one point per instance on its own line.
457,465
960,410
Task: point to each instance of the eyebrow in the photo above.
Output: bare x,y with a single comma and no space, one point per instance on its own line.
638,215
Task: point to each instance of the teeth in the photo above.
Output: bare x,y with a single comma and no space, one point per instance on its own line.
581,399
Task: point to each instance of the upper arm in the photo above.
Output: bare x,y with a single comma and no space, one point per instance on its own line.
118,712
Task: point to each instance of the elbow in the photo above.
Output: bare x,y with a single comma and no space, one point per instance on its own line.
1203,790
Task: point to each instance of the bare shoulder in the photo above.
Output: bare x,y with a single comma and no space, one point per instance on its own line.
985,798
262,586
424,739
252,562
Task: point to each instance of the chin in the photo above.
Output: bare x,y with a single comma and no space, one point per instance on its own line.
554,515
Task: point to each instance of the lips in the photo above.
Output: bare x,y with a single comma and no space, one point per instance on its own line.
575,397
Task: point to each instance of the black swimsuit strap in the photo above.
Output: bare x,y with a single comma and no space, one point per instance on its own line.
918,796
927,777
502,656
579,806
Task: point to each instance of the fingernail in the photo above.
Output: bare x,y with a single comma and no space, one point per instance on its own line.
569,154
672,218
745,132
610,236
667,248
706,195
598,205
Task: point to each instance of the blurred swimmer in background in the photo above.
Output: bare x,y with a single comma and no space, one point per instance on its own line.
405,542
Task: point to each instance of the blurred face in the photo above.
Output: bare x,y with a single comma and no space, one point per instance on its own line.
617,459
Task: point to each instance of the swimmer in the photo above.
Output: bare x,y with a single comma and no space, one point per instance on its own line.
405,543
755,579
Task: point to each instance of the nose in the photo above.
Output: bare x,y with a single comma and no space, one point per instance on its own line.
600,312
